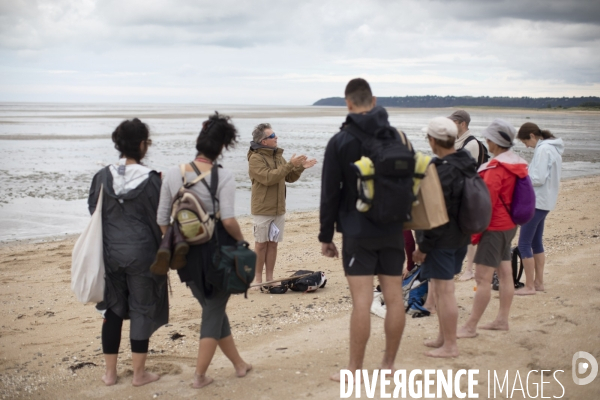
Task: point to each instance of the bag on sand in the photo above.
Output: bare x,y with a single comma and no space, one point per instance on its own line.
87,261
517,270
429,210
316,280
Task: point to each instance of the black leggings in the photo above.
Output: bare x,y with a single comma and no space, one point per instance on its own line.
111,336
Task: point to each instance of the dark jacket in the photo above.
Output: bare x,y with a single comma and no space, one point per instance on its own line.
269,172
449,235
131,238
338,183
129,229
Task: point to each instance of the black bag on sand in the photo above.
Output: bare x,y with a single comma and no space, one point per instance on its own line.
310,283
517,270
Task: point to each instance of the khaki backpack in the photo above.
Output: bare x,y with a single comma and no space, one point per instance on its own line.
195,224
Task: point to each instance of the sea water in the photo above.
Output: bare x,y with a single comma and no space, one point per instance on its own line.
50,152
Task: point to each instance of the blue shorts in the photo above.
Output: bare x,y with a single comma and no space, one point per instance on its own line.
443,263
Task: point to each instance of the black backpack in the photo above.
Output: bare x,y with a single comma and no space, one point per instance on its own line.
475,211
484,156
394,160
517,270
316,280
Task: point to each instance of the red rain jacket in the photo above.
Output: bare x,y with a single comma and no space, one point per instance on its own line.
500,175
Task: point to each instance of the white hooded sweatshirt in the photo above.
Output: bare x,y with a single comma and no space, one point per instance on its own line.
544,171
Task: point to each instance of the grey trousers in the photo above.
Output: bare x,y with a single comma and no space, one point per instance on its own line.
215,323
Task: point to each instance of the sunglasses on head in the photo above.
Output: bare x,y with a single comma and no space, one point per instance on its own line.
271,136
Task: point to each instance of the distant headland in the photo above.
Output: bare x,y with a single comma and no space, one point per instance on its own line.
469,101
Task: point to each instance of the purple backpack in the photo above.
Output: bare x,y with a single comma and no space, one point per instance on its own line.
522,207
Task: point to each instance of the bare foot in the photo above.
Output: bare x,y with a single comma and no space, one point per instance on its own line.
336,377
467,275
109,378
443,352
465,333
147,377
524,291
539,287
201,380
242,370
495,326
435,343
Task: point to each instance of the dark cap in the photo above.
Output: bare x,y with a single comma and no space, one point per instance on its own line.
461,116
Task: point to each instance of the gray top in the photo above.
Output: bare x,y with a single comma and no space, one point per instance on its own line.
172,181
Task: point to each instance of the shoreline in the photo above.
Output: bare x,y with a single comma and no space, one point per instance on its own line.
241,218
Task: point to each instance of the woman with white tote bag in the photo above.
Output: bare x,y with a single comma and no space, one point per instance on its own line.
129,193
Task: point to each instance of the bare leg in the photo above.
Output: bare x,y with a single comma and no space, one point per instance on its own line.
529,267
140,375
430,300
110,376
391,287
439,341
483,277
507,290
468,274
448,318
261,253
270,259
540,262
361,290
206,351
227,346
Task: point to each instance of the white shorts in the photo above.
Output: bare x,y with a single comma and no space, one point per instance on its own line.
262,228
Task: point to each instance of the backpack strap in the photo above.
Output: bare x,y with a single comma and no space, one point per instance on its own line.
405,140
200,176
482,149
212,189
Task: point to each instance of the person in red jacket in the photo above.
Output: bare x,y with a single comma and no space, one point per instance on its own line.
493,252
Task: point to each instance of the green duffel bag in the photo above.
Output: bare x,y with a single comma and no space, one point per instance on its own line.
233,268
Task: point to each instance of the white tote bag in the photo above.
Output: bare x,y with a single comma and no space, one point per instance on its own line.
87,264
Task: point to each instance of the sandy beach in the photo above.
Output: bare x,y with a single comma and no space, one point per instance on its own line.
50,344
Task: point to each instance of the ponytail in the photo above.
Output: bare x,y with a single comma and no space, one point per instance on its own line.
529,127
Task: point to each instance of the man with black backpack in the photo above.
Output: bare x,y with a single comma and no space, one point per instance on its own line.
466,141
441,250
372,238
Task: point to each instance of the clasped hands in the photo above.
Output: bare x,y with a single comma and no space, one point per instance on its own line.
302,161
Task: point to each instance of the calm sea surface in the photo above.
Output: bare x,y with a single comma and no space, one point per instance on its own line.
50,152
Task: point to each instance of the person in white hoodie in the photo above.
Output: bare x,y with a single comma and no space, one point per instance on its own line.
544,171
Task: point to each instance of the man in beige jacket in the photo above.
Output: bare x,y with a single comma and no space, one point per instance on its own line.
269,172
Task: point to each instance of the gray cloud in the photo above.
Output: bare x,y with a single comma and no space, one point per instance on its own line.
283,46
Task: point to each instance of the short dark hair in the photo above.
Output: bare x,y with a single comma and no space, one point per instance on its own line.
359,92
446,144
217,132
128,136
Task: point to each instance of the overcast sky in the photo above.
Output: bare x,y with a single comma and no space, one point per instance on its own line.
294,52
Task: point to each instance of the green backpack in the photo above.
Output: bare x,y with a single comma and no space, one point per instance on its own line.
233,268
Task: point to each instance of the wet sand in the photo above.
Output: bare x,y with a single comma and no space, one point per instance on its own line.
50,344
